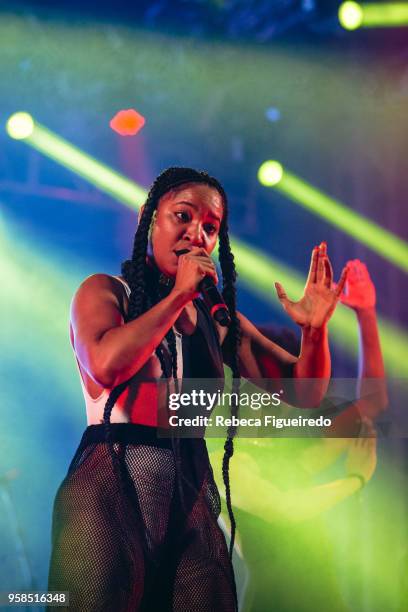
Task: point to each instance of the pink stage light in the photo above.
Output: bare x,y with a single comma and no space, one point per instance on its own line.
127,122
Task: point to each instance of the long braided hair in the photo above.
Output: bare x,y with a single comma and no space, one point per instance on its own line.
144,294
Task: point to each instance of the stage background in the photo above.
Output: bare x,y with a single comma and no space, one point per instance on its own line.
330,105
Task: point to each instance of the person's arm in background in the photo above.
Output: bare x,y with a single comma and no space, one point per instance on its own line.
359,295
259,496
361,457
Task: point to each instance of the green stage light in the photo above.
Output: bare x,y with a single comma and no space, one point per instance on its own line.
390,14
270,173
41,293
70,156
256,270
350,15
386,244
353,15
20,126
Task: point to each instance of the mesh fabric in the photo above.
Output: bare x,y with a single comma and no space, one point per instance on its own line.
130,544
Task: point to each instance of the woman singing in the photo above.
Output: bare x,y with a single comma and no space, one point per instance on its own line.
135,520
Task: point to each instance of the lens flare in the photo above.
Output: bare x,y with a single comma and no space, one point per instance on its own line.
20,126
270,173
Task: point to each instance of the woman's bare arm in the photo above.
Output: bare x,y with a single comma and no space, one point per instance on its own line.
360,295
262,358
110,350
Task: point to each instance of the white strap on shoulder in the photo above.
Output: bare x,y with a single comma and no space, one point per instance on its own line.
124,283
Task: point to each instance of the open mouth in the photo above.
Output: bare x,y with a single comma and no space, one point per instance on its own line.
181,252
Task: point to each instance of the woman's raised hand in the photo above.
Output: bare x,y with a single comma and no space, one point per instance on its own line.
359,291
320,295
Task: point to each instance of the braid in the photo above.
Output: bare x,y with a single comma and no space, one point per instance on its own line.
143,296
171,341
134,272
232,340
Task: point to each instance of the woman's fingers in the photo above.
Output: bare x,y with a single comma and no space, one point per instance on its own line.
313,266
341,283
319,271
359,270
201,262
328,273
281,293
320,265
208,269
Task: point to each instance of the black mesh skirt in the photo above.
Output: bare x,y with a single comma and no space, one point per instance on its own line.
148,540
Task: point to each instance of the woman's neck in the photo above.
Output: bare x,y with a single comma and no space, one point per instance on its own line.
164,283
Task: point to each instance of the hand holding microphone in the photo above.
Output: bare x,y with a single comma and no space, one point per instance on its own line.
195,271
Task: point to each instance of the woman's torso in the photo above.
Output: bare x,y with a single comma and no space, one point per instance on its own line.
198,356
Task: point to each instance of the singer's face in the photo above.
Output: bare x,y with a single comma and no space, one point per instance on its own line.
186,217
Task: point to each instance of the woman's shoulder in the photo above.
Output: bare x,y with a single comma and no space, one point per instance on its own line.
100,286
103,281
100,297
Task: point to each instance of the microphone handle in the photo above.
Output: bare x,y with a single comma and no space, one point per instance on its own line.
215,302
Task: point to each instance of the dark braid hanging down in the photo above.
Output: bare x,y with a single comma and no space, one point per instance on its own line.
226,259
143,296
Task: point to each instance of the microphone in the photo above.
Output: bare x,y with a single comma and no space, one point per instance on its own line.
212,298
215,301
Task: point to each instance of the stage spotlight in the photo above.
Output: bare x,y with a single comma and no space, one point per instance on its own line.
383,242
127,122
270,173
20,126
373,15
350,15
